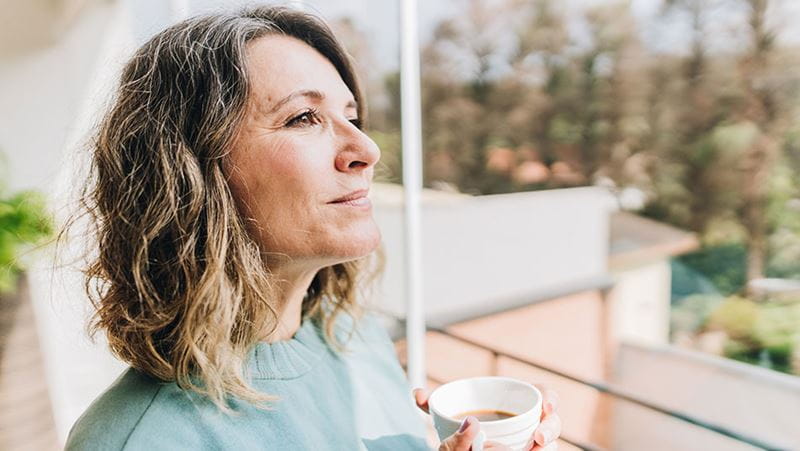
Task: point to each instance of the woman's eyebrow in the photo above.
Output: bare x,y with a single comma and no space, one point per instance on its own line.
310,93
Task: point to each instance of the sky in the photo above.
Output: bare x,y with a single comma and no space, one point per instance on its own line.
379,20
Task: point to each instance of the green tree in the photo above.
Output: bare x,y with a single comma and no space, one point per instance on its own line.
765,105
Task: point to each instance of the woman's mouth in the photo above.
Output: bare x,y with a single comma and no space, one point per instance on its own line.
356,199
360,202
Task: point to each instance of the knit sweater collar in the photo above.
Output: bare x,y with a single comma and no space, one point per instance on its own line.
289,359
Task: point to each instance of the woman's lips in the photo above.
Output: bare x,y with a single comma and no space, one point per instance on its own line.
362,202
352,195
356,199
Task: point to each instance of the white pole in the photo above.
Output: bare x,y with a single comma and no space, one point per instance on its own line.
412,182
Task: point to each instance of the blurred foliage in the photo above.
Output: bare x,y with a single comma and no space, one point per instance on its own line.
687,281
723,265
784,216
737,317
761,333
691,314
23,221
777,324
515,99
389,168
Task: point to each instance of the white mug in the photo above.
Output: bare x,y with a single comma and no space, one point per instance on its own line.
488,393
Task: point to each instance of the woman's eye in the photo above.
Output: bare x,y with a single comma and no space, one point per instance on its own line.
304,119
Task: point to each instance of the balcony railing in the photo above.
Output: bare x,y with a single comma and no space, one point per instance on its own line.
611,390
602,387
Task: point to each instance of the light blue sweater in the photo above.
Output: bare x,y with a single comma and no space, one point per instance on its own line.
355,401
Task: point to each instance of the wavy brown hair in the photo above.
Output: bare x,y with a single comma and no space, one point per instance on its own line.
180,288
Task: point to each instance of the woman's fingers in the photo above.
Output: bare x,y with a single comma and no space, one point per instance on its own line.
548,431
421,398
550,400
551,447
462,440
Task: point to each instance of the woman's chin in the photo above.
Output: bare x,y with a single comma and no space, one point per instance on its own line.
359,246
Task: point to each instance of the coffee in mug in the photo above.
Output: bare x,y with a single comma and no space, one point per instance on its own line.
512,409
485,415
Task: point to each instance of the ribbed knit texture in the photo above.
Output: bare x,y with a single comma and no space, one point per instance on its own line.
359,400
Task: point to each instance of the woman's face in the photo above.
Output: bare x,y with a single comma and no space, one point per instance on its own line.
300,168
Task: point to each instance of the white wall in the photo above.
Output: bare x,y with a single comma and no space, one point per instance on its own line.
640,303
41,92
480,249
744,398
50,97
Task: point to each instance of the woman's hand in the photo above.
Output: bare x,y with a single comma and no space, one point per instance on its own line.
543,438
461,440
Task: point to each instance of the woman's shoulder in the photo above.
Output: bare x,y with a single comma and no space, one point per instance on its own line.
133,408
112,417
368,326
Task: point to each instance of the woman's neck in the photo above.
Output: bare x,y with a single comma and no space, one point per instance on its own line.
292,287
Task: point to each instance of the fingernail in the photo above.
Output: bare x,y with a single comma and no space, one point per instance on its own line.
546,436
465,424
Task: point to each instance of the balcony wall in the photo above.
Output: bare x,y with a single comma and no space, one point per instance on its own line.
754,401
494,249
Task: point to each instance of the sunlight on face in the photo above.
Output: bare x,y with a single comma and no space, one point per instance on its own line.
300,168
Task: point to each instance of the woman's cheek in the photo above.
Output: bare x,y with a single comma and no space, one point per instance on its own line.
293,160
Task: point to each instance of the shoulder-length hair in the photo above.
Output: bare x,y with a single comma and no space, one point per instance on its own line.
180,288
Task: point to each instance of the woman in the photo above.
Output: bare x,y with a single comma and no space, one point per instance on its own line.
229,199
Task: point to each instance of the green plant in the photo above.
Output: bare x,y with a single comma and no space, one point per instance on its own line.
760,333
691,313
737,317
724,265
23,222
777,327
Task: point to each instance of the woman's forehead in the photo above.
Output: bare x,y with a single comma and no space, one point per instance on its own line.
280,65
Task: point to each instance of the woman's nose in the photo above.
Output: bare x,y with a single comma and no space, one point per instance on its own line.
357,151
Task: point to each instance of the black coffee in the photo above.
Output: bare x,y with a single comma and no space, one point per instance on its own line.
485,415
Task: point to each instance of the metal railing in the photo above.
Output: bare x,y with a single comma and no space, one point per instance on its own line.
610,390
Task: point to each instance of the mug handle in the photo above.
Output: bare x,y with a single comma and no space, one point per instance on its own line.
477,442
